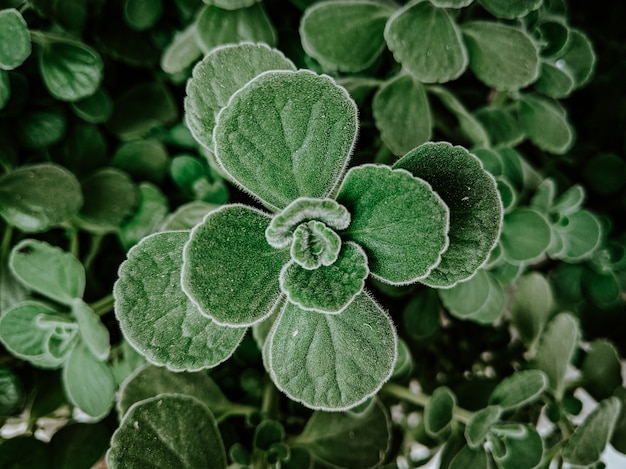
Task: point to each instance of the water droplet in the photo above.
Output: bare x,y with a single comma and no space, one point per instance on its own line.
560,64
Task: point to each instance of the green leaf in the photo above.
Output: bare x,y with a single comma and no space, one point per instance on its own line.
197,179
451,3
589,440
5,88
427,42
332,361
152,210
167,431
554,81
581,234
469,125
501,56
515,446
229,252
556,348
233,66
142,159
602,288
48,270
70,69
422,315
95,109
553,34
545,122
510,10
601,370
55,198
231,4
345,35
578,58
438,413
519,389
157,318
12,395
400,222
182,52
142,14
501,125
15,39
111,198
327,289
216,26
150,381
79,445
142,108
187,216
526,235
92,332
531,307
347,440
24,452
41,129
481,299
27,329
478,427
468,457
267,433
618,440
402,114
84,149
88,382
472,198
314,245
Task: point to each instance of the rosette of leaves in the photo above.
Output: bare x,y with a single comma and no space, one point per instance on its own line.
286,137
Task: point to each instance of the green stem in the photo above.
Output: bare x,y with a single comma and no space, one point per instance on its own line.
96,241
421,400
6,244
74,246
237,409
269,407
103,305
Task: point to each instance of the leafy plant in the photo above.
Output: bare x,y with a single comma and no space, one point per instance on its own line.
338,233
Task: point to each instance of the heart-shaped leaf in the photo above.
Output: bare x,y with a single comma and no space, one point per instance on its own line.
155,315
232,66
345,35
427,42
471,195
501,56
400,222
332,361
48,270
327,289
228,253
55,198
286,135
402,114
15,39
169,430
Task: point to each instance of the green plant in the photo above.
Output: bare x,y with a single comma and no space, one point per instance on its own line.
306,234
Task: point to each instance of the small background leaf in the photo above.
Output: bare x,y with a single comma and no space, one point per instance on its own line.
14,39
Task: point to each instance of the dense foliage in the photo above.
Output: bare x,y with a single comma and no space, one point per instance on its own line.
338,233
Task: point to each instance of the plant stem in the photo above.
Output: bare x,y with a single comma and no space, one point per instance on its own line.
269,407
103,305
96,241
74,246
6,244
421,400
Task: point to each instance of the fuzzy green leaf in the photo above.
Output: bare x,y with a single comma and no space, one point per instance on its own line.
144,160
618,440
531,307
332,361
314,245
481,299
556,348
5,88
231,4
27,330
545,122
438,413
41,128
48,270
580,234
343,439
150,381
590,439
345,35
182,52
554,81
95,109
228,253
55,198
187,216
110,198
216,26
14,39
515,446
569,202
471,195
501,56
142,14
327,289
427,42
519,389
12,394
525,235
286,135
422,315
88,382
152,210
92,332
501,125
70,70
402,114
601,370
478,427
397,219
155,315
578,58
451,3
468,457
205,98
510,10
167,431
